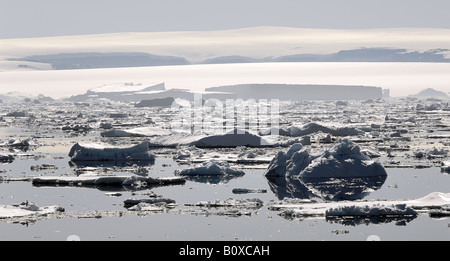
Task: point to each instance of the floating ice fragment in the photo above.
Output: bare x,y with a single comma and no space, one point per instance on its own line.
94,152
342,160
211,168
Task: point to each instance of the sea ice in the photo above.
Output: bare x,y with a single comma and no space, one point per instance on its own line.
25,209
342,160
233,138
445,166
95,152
137,132
313,127
211,168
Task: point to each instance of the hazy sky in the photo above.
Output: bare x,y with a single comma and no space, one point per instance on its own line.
35,18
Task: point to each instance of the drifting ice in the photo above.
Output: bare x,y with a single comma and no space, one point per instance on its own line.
343,160
94,152
211,168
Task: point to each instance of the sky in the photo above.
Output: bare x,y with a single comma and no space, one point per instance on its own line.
31,18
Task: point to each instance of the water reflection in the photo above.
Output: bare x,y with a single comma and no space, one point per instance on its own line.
330,189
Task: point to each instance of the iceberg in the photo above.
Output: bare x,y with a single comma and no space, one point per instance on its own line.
343,160
95,152
211,168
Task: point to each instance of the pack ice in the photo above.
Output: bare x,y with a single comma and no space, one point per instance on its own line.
344,159
96,152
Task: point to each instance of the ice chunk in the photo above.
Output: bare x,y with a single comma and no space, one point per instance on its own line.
95,152
445,166
6,158
376,210
342,160
26,209
104,180
313,127
233,138
211,168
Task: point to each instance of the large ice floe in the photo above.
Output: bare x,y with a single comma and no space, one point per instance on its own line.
342,160
375,211
102,181
27,209
95,152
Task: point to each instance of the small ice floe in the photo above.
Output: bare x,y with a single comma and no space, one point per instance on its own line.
248,190
253,203
27,209
378,210
313,127
138,204
342,160
113,194
105,180
211,168
43,167
77,128
95,152
445,166
6,158
22,144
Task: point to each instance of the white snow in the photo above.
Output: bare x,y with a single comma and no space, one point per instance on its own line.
96,152
342,160
211,168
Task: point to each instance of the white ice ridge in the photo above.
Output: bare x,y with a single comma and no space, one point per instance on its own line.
95,152
366,208
342,160
137,132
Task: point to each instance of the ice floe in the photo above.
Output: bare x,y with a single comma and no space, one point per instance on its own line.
314,127
342,160
95,152
88,180
211,168
358,209
26,209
